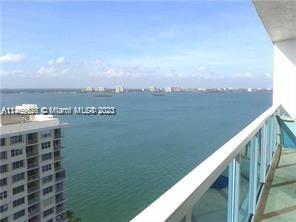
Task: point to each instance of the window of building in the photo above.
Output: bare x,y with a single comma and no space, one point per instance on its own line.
3,155
45,134
3,142
19,214
4,168
48,212
18,189
46,156
47,179
3,195
47,190
16,152
18,177
17,164
16,139
18,202
3,182
45,145
46,167
3,208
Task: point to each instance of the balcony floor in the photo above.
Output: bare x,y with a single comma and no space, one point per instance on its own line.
280,194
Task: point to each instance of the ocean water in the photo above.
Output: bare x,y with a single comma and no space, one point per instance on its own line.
116,166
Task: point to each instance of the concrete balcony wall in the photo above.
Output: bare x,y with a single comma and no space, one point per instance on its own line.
284,79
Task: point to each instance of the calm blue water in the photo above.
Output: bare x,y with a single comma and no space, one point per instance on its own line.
118,165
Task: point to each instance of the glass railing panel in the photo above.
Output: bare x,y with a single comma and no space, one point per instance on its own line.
244,159
259,185
213,204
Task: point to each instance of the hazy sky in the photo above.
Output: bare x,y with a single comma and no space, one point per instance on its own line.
137,44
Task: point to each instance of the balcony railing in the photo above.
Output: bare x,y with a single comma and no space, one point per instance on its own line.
60,209
32,153
228,184
32,141
31,166
58,133
59,189
57,146
57,158
33,212
33,189
33,201
60,199
60,176
33,177
60,218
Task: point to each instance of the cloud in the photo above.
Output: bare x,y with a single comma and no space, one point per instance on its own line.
268,75
202,68
18,72
246,75
55,67
205,73
59,60
10,57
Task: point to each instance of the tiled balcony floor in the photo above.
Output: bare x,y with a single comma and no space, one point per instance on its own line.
281,193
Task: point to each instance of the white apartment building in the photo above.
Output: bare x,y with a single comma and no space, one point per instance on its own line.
173,89
31,171
100,89
119,89
153,89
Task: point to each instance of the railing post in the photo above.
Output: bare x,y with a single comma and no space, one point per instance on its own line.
233,191
188,216
269,142
263,154
253,174
274,133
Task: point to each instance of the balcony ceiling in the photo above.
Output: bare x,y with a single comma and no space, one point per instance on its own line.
278,17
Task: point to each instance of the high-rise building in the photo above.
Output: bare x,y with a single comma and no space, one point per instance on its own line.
119,89
153,89
100,89
31,171
173,89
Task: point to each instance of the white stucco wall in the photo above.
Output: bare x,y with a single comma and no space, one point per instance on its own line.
284,76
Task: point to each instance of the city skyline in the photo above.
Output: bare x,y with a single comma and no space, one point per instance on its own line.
75,44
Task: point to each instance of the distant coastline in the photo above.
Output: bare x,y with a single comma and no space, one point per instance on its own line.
112,90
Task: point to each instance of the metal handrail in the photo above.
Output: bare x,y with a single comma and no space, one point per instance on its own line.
185,193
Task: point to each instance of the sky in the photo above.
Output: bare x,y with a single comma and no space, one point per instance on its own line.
74,44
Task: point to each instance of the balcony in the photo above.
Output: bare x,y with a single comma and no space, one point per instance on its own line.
60,198
32,138
33,165
60,218
33,175
59,187
60,176
58,133
35,219
33,189
229,184
60,208
34,210
58,167
57,156
33,201
57,144
32,151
